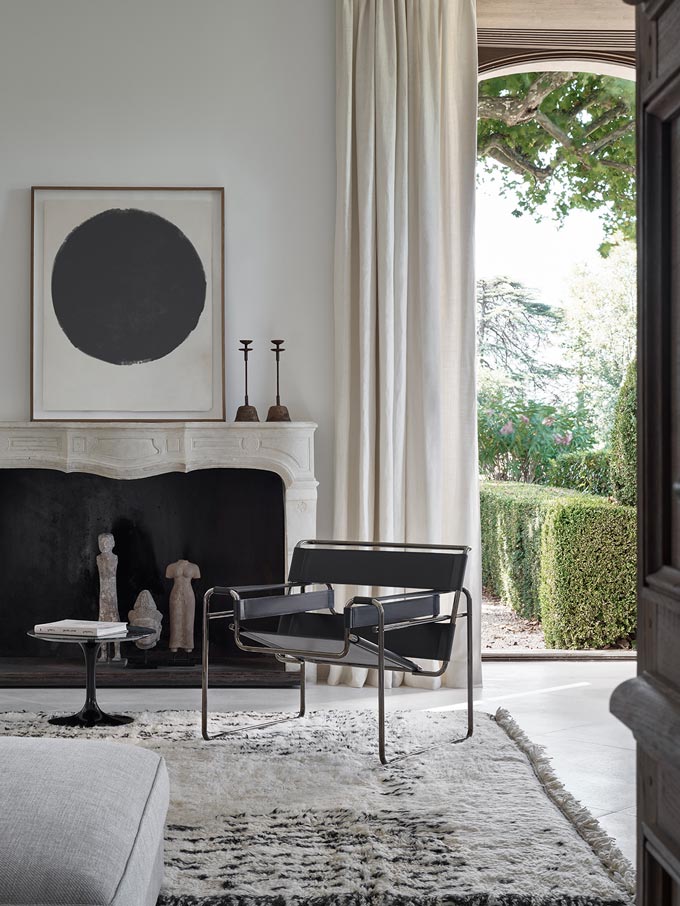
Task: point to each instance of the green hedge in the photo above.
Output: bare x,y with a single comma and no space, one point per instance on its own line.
512,514
562,556
585,470
624,440
588,570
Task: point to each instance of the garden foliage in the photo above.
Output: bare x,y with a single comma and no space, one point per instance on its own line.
597,348
564,140
624,441
519,438
584,470
588,573
561,556
513,331
512,517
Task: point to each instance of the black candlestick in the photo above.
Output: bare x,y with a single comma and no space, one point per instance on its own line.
246,413
278,413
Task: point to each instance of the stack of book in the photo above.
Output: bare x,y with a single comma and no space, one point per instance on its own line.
95,629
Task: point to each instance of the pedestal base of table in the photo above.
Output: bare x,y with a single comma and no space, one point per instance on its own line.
90,718
90,715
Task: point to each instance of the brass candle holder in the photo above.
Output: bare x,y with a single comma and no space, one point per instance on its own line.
246,412
278,413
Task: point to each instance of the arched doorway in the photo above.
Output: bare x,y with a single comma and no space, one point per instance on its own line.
518,314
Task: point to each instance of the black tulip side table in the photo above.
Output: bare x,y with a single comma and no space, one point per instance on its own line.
91,715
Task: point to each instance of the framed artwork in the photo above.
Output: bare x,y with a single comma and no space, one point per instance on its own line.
127,312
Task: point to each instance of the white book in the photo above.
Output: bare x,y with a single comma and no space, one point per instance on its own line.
93,628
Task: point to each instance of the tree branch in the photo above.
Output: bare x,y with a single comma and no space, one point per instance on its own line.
553,130
580,139
497,108
543,86
587,150
512,110
607,117
600,143
517,162
616,165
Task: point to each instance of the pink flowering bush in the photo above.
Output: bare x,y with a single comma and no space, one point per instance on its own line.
518,438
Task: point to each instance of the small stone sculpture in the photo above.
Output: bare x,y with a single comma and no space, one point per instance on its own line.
182,604
107,564
148,616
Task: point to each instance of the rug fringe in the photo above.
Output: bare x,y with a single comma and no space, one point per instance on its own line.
587,826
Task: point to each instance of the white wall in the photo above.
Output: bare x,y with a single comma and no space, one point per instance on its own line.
233,93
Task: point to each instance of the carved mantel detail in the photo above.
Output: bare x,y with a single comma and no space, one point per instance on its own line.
126,450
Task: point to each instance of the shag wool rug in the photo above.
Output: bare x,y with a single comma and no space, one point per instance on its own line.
304,813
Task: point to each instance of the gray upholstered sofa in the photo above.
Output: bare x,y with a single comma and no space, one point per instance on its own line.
81,822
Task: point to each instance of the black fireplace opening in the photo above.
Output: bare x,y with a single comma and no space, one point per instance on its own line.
230,522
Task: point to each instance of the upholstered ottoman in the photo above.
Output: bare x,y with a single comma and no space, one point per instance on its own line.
81,822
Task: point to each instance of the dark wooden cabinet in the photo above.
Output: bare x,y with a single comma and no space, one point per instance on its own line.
650,703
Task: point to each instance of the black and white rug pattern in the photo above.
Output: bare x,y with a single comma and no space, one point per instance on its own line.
303,814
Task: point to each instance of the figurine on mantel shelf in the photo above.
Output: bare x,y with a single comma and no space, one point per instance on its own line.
182,605
277,412
148,616
246,412
107,564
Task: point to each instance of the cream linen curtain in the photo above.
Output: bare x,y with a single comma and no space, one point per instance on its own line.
406,435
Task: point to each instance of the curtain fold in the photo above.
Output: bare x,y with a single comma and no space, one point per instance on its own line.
404,294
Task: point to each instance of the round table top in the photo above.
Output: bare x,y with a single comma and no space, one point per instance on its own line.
132,634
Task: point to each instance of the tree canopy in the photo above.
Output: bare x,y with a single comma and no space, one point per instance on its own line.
574,354
513,332
599,327
563,139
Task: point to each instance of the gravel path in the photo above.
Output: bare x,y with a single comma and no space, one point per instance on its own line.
503,628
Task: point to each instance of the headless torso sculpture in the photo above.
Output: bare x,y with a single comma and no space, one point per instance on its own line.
182,605
107,564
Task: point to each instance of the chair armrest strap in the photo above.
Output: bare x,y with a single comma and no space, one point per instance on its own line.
406,596
278,605
397,609
228,590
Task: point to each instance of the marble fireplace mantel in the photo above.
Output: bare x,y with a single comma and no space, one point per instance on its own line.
127,450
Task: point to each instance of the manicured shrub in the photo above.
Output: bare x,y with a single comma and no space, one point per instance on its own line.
585,470
512,515
564,557
624,441
587,572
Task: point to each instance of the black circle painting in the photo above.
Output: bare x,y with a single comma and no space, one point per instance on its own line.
127,286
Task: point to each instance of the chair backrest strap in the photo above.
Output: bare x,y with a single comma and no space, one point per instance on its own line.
381,565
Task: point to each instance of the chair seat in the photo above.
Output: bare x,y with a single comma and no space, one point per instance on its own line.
323,634
362,653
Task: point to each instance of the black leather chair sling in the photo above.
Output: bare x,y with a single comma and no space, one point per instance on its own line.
385,632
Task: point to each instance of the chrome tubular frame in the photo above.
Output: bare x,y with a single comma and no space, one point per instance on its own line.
387,545
291,656
433,673
205,731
